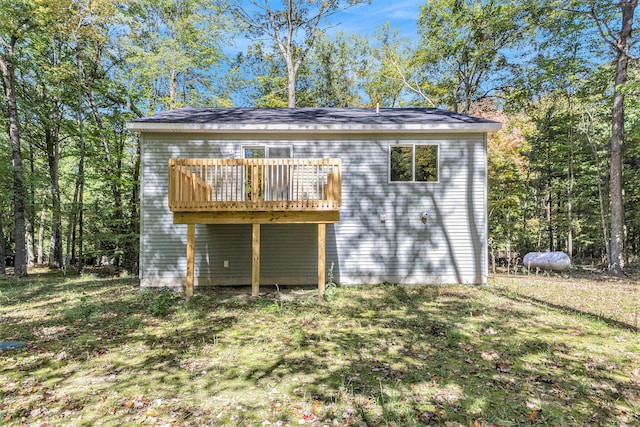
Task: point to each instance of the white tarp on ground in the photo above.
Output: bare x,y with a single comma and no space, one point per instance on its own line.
555,261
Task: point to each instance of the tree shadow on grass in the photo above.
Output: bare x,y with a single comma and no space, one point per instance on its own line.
380,355
420,363
563,308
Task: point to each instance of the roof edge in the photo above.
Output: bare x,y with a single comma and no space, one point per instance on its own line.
306,128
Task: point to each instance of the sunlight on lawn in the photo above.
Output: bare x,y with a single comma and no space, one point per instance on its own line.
102,352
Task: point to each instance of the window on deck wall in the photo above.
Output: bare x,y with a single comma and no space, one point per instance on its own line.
266,152
273,183
413,163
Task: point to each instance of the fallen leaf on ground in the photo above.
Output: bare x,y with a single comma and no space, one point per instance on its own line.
533,416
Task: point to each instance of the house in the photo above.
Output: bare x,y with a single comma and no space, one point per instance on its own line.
300,196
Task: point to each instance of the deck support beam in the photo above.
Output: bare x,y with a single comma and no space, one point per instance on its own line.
191,249
255,261
322,233
257,217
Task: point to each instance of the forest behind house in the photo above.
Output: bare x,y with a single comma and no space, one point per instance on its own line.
562,76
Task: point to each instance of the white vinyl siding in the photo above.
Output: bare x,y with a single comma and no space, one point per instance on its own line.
380,237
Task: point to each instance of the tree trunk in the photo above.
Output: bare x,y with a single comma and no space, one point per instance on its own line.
76,210
549,199
3,255
111,172
52,146
30,244
603,213
549,210
81,223
123,233
588,132
173,89
73,222
134,216
19,192
115,188
292,68
291,87
30,213
571,180
616,264
43,218
55,247
524,241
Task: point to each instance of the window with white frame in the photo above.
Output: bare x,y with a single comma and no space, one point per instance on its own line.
267,152
273,182
413,163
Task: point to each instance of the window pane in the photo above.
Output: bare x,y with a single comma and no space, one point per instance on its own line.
279,152
278,188
254,190
426,163
254,153
401,164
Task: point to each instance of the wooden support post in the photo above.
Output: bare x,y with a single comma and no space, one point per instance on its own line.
322,233
255,261
191,249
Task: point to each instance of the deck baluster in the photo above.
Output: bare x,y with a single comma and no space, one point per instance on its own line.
208,185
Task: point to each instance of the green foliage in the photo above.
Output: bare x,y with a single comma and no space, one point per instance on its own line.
163,302
543,177
335,70
292,30
464,47
81,311
546,65
391,78
332,76
426,163
401,163
173,52
262,79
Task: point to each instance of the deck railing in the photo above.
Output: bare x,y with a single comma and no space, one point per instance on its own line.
199,185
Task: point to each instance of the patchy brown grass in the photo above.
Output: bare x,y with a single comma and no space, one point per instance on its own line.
101,352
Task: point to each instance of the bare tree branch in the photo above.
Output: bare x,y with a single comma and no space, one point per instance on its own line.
606,36
416,89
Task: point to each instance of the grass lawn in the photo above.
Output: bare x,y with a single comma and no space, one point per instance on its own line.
520,351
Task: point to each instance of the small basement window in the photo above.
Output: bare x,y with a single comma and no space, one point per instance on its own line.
413,163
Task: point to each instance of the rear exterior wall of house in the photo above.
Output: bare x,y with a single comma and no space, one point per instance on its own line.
381,236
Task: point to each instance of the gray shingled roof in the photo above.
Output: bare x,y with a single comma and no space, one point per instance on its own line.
343,120
325,116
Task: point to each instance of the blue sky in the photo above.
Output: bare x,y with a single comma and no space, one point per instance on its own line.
366,18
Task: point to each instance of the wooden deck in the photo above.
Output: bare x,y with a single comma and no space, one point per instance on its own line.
255,191
264,185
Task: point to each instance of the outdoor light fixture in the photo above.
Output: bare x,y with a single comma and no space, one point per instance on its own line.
424,216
